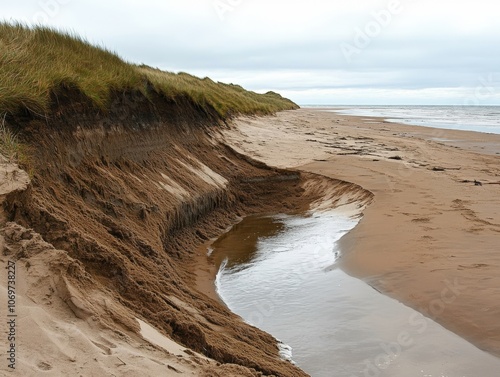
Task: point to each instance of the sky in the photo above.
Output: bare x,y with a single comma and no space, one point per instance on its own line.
341,52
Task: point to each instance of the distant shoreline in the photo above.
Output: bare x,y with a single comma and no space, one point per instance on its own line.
482,119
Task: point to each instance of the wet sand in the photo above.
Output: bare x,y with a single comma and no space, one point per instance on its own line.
283,278
430,237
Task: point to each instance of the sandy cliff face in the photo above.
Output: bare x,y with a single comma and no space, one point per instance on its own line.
106,233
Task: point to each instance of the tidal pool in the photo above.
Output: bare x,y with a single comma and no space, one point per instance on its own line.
279,273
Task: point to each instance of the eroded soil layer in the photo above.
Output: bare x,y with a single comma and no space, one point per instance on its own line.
127,196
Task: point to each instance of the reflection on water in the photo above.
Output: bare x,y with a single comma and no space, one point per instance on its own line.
280,276
245,235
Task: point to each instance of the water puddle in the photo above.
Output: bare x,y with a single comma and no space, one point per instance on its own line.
279,274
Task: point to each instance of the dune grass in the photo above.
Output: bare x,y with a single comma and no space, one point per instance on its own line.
35,61
11,150
8,142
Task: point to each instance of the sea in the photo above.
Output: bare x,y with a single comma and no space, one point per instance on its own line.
484,119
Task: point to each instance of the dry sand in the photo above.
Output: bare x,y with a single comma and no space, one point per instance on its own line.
431,236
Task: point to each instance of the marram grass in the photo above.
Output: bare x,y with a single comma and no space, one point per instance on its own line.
11,150
36,61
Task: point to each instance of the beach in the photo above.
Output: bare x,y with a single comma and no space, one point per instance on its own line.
430,236
133,199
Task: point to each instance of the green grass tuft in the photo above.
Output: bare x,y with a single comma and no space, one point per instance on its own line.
36,61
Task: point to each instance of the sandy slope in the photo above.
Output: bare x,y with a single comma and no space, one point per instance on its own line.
128,195
65,326
431,236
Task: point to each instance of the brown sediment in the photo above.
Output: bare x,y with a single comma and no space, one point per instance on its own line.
430,236
111,227
127,197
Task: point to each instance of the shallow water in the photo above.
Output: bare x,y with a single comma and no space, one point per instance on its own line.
279,273
468,118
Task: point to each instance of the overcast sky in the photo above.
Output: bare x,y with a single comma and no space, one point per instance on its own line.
314,52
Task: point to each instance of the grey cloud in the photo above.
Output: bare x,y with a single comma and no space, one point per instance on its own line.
291,46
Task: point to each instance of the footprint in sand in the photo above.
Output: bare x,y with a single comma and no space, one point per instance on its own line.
106,348
44,366
421,220
472,266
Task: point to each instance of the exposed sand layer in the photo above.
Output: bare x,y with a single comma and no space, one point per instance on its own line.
67,324
106,233
12,180
430,238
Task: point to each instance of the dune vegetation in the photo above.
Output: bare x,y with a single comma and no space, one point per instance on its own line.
35,61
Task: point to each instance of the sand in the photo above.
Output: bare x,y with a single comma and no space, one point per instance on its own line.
103,239
89,275
430,237
61,327
65,323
